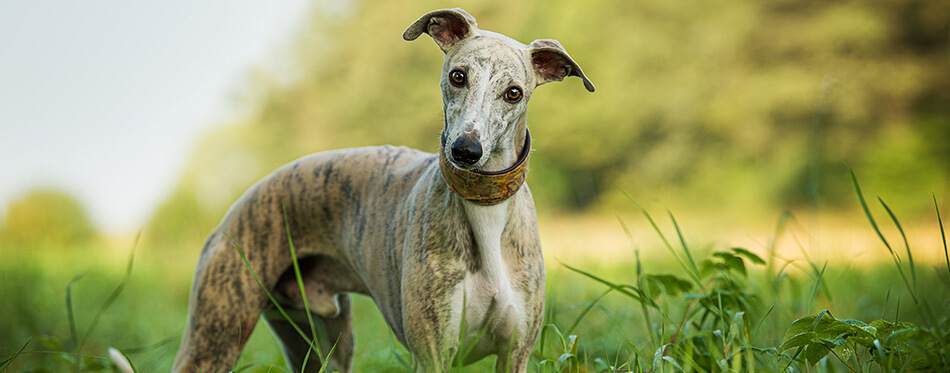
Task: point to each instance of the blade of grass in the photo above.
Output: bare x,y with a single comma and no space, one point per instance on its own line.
897,312
620,288
392,347
755,331
636,253
896,258
692,263
887,297
647,317
587,309
478,337
269,295
867,212
74,336
666,243
814,290
323,367
558,334
5,365
771,276
463,330
303,294
943,234
626,230
910,257
112,297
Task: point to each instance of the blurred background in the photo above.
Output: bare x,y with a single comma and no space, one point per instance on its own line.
743,107
122,118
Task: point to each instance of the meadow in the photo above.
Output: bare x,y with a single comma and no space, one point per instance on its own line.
714,116
673,304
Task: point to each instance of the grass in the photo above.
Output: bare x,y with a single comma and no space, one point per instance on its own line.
678,306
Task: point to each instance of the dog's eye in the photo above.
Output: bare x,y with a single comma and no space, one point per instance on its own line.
457,77
513,95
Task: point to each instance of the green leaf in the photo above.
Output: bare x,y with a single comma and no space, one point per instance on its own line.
815,352
854,322
737,264
836,341
673,363
748,255
564,357
799,326
707,267
667,284
886,328
903,336
731,261
832,328
723,254
845,350
798,340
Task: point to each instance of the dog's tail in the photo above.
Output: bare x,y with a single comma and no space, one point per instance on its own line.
120,360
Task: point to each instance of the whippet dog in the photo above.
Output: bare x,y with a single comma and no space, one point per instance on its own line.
446,244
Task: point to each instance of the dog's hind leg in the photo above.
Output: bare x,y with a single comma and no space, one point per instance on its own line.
224,308
325,284
334,332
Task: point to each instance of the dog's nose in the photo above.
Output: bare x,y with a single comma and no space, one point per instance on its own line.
466,151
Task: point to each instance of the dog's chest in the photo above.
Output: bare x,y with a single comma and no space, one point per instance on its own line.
490,300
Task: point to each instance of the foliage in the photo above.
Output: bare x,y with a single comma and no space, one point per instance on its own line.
46,218
714,333
747,103
893,345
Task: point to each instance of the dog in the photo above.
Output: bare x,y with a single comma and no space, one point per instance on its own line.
446,244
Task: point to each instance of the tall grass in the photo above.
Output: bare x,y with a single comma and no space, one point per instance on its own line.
709,315
702,308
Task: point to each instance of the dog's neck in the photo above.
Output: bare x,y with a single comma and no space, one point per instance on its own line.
487,187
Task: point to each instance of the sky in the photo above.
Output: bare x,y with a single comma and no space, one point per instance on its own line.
105,99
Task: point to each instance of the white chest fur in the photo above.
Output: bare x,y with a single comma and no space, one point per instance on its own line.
490,300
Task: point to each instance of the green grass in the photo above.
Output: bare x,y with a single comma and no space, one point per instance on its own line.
697,307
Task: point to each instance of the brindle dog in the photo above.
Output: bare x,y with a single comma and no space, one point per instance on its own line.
427,236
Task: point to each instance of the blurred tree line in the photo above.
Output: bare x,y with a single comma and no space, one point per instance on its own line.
46,218
745,103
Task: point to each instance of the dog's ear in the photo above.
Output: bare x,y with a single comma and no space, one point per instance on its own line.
446,26
553,64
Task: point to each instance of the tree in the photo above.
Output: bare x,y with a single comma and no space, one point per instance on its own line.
46,218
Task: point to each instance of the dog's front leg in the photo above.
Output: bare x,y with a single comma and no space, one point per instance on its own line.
516,353
431,313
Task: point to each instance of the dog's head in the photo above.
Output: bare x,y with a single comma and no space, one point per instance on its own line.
487,80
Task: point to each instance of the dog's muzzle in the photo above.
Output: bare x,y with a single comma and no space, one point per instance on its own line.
483,187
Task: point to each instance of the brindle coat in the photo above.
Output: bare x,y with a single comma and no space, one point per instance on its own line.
381,221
